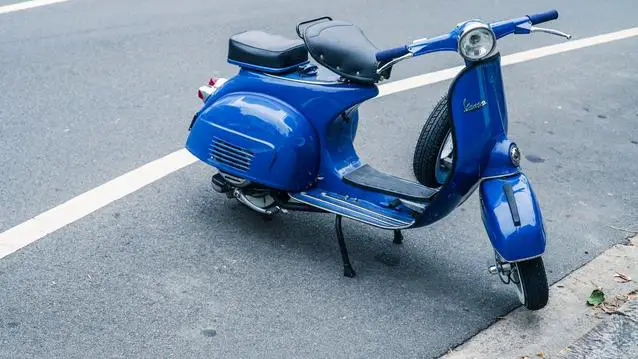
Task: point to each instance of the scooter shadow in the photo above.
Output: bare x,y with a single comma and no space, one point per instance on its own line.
377,261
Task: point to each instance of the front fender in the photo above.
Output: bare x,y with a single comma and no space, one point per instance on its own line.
512,218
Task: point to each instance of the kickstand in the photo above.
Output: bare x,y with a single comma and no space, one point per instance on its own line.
398,237
347,268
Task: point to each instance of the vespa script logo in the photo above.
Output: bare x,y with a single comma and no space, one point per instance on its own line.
468,106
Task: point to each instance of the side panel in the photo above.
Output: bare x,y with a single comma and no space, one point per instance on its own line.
514,225
257,137
313,104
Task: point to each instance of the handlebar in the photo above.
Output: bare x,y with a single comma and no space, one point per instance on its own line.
449,42
543,17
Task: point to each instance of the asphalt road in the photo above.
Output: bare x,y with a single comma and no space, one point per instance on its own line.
93,89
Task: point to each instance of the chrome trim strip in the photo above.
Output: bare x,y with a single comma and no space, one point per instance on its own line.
478,183
346,215
353,210
364,209
518,260
305,81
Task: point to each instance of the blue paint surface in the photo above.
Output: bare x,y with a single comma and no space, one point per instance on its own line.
294,132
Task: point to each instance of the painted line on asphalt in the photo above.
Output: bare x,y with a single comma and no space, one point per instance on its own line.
78,207
90,201
27,5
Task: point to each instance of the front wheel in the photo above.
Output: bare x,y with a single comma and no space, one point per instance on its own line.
434,152
531,283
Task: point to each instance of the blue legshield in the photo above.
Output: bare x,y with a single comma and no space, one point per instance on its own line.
509,208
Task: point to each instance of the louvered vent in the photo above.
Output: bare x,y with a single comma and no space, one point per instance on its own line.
231,155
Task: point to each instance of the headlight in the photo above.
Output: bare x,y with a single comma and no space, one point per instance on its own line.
476,41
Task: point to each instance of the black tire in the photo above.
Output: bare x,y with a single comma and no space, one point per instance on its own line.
534,283
429,144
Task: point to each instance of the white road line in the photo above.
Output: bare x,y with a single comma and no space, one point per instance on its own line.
89,202
27,5
78,207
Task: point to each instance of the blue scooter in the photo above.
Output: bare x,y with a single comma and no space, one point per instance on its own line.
281,132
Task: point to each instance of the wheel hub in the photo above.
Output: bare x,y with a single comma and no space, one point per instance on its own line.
509,273
444,161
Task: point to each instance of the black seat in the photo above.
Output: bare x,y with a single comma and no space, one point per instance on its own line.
343,48
266,52
375,180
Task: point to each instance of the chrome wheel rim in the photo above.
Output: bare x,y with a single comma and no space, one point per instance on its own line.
444,161
515,277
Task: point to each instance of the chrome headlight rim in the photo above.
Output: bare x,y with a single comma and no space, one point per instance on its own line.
467,30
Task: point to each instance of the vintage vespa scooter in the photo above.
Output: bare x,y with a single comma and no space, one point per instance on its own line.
281,134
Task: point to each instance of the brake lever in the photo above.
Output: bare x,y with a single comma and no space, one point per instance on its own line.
527,28
550,31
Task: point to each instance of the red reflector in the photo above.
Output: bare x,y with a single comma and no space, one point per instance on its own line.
206,91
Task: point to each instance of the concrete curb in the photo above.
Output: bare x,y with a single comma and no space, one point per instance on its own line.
567,318
615,337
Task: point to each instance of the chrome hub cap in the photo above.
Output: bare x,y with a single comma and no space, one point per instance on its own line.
444,162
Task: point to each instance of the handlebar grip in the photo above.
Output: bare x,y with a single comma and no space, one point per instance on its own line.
391,54
543,17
